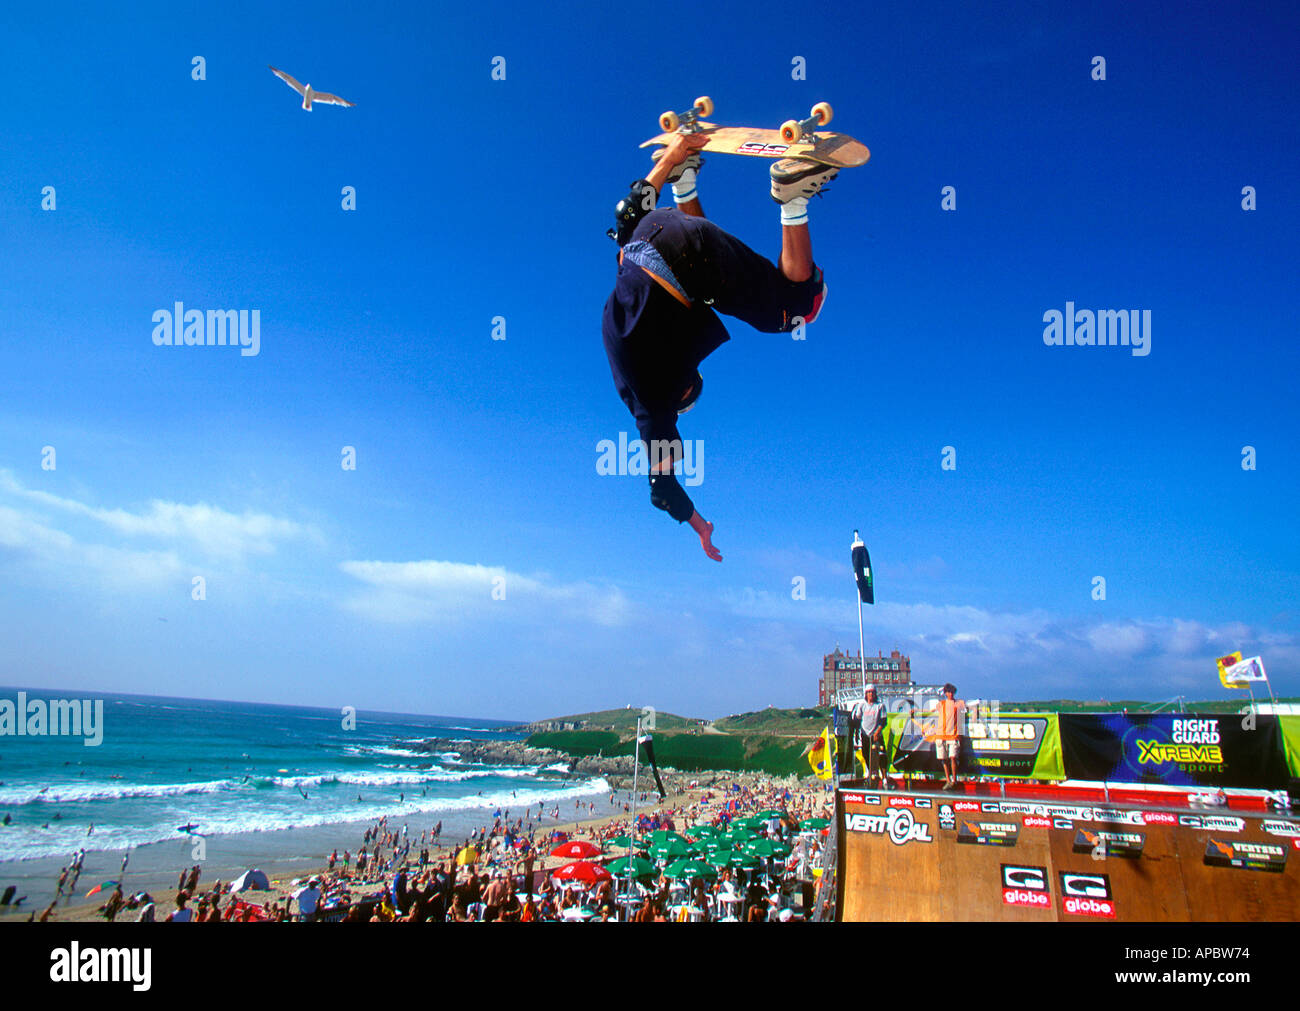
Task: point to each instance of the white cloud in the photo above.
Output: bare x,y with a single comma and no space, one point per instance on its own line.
60,559
1120,640
213,531
437,592
1030,654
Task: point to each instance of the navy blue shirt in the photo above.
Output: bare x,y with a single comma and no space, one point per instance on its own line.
654,345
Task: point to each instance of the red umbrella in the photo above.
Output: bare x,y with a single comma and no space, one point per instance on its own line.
582,871
576,851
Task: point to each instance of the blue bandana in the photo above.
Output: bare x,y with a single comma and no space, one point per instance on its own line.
645,255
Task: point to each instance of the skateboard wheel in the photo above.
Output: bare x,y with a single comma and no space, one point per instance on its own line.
790,131
704,106
669,122
822,112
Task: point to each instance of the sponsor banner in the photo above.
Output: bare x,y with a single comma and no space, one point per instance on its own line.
1010,746
1109,844
898,823
1025,886
900,802
1245,855
1036,821
990,807
1022,807
1159,818
1062,823
1244,672
1177,749
966,805
1276,826
924,802
947,819
1291,740
987,833
1224,663
1212,822
1073,812
854,798
1087,895
1116,817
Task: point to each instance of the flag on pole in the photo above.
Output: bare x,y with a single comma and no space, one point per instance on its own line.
1245,671
862,570
822,755
1223,663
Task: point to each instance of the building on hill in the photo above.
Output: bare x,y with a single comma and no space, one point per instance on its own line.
841,670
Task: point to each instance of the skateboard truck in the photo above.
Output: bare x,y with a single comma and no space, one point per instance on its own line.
796,130
688,121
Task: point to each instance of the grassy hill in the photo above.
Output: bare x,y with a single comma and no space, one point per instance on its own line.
623,721
771,740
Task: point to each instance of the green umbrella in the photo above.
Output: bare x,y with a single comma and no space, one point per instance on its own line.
641,867
663,835
704,831
740,836
750,822
780,849
745,861
720,858
808,823
669,848
760,847
768,815
690,869
622,842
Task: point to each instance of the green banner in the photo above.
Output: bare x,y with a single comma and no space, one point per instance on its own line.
1291,742
1012,746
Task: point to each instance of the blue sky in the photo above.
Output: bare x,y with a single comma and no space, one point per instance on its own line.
476,458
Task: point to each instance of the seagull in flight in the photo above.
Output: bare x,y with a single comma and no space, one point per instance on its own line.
309,94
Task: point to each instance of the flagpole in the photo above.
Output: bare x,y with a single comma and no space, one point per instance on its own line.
631,834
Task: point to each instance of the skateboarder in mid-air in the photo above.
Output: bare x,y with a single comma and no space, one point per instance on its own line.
676,272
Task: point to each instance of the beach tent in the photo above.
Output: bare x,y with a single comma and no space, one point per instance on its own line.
254,879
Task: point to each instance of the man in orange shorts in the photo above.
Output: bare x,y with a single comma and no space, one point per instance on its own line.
947,733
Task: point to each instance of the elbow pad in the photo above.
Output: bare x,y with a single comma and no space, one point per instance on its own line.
667,494
629,211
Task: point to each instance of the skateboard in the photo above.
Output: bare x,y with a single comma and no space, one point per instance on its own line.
796,138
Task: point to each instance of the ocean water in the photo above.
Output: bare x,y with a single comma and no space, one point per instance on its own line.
291,775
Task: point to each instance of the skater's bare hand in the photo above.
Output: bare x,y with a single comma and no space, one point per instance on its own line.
680,147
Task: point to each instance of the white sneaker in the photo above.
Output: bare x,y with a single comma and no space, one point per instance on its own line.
793,178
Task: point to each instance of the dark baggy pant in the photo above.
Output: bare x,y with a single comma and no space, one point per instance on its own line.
717,268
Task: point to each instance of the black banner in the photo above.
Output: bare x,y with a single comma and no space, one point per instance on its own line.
1175,749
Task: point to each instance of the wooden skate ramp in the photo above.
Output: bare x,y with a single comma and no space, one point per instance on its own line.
949,857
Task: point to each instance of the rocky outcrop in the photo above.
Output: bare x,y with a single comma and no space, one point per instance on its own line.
617,769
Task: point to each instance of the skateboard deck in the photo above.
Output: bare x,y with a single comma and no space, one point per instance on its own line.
829,148
795,139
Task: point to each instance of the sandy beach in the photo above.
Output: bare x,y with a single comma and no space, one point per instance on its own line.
577,820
